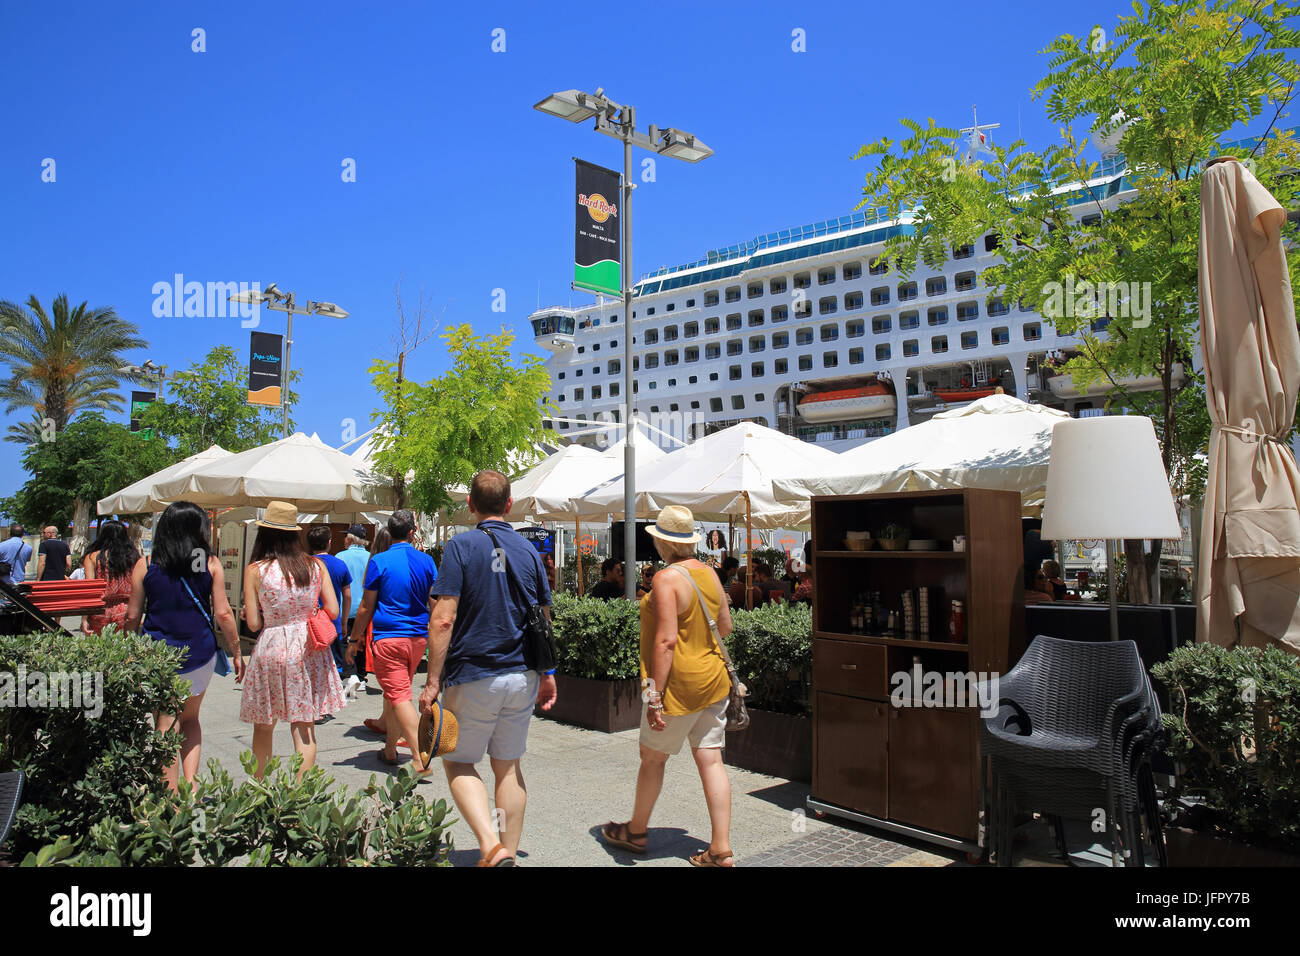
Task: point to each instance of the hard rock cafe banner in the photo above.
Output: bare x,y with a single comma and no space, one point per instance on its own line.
596,246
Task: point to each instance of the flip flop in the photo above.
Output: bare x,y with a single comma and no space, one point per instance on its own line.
391,761
507,860
372,725
619,835
708,859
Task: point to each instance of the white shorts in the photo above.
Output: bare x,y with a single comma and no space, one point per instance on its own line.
201,676
492,716
706,729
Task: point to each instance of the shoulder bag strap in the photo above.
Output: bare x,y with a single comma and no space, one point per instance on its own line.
713,625
198,604
516,588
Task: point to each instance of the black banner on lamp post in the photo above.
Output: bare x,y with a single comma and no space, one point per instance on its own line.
265,363
596,255
140,401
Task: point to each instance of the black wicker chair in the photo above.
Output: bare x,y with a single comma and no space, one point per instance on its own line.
1074,733
11,795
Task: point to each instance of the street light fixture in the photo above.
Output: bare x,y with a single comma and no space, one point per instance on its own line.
619,121
286,302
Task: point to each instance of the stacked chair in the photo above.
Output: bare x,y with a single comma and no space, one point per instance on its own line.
1077,723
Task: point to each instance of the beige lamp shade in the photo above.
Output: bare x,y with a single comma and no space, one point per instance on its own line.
1105,480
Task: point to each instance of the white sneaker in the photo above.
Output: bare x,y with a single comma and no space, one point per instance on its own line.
351,687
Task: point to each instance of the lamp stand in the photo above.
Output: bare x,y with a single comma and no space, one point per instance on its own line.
1110,588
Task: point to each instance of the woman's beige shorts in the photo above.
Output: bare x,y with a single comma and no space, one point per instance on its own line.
706,729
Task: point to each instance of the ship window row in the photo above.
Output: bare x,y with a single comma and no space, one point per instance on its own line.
883,352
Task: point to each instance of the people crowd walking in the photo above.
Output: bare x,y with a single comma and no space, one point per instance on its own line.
396,602
687,687
110,558
178,596
478,669
14,555
288,678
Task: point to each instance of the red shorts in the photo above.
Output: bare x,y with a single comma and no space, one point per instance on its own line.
396,659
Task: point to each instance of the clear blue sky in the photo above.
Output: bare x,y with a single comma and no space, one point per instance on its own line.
225,165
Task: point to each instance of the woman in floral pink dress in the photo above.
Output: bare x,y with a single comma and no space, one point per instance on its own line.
287,678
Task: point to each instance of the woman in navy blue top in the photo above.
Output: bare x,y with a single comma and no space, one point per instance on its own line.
176,595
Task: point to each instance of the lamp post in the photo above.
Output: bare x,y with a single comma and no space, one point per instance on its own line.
619,121
286,302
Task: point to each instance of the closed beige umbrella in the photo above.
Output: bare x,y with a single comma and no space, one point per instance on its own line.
1248,592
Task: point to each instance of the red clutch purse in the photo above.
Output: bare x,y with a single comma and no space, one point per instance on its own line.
321,632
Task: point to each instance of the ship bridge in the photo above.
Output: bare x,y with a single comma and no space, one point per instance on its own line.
553,329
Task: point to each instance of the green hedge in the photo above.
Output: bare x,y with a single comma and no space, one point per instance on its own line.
771,647
81,768
1234,724
276,821
597,639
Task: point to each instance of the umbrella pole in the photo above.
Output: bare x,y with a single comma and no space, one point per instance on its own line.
749,556
731,533
577,550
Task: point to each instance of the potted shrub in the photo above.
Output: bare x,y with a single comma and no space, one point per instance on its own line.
771,647
598,675
1234,729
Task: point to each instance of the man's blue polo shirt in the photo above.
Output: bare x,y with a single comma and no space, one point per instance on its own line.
488,636
402,576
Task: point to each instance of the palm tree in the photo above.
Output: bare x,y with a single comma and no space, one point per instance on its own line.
64,364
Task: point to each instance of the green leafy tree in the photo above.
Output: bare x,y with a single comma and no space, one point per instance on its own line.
208,405
84,462
1171,81
485,412
62,362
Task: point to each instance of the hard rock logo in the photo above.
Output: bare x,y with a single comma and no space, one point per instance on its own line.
597,206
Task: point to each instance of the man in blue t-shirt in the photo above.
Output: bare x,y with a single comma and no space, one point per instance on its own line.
397,601
476,662
16,553
318,541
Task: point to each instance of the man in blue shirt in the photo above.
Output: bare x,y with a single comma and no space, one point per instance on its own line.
16,553
476,662
397,600
318,542
354,556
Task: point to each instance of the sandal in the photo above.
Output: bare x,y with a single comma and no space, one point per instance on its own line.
621,836
507,860
372,725
707,858
391,761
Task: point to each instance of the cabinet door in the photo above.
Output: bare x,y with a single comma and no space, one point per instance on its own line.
931,775
852,756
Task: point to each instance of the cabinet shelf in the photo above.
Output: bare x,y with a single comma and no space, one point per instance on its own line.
891,555
910,768
893,641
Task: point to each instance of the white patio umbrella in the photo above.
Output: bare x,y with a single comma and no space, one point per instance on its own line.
726,475
299,469
646,450
139,497
997,442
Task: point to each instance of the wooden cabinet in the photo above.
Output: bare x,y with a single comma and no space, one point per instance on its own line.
884,751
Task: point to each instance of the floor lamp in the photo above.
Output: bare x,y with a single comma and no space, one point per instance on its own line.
1105,480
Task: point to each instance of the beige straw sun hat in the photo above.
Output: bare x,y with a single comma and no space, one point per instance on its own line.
280,516
676,524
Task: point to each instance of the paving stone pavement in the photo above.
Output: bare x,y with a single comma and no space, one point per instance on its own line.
579,779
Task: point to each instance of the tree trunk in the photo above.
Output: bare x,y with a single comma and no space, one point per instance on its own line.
1135,567
80,526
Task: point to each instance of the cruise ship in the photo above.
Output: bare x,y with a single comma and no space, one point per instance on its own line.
803,331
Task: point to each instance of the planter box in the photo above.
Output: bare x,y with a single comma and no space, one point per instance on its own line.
605,705
1196,848
779,745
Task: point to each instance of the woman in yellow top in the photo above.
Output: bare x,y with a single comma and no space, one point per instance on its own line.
687,687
